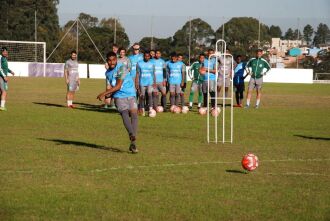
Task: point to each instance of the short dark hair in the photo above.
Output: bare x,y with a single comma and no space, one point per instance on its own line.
179,54
146,52
111,54
115,45
259,50
73,52
202,54
120,49
4,49
135,44
158,50
173,54
210,49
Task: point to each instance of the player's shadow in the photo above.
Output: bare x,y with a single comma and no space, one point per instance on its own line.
83,144
49,104
236,171
93,107
313,138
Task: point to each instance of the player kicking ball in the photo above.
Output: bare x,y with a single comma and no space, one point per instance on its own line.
123,91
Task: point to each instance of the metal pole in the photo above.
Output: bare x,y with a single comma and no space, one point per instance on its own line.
35,33
151,33
77,46
223,29
189,47
259,34
115,32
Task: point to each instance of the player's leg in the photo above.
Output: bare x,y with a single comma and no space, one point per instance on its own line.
172,94
142,100
149,93
177,94
191,94
258,89
251,86
163,91
200,95
3,89
123,106
212,93
204,89
155,96
182,94
134,122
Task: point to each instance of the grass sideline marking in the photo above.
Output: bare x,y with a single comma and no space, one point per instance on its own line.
130,167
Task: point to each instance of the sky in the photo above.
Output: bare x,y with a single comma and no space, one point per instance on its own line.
145,18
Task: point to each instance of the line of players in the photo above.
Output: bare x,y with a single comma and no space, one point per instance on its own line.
154,77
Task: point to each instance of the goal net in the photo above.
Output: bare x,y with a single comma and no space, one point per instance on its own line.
27,51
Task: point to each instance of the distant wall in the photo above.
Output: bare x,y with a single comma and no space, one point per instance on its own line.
27,69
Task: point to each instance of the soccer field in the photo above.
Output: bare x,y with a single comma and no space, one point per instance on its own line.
73,164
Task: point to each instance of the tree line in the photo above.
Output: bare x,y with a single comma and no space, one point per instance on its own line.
240,33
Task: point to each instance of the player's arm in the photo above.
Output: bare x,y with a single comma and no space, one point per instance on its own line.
119,83
183,73
164,75
137,77
154,75
66,73
267,67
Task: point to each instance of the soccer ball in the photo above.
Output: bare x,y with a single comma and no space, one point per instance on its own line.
159,109
215,112
250,162
202,110
177,110
172,108
152,113
185,109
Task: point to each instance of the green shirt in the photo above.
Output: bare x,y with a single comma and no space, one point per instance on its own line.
257,67
4,70
196,76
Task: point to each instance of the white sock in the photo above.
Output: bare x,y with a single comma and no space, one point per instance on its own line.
69,102
248,102
199,104
258,102
190,104
3,103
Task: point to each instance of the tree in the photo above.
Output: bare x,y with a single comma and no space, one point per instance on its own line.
275,31
289,35
111,23
88,21
202,36
308,33
163,44
297,35
322,34
17,21
241,35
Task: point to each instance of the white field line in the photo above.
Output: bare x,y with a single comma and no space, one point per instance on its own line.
168,165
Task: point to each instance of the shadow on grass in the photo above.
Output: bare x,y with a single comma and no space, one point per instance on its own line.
237,171
93,107
313,138
83,144
49,104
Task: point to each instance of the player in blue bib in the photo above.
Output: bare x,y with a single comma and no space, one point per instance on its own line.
145,80
122,89
160,74
209,63
176,72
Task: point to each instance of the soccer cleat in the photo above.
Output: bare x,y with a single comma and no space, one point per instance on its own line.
133,148
247,106
70,106
256,107
190,107
237,105
3,109
112,107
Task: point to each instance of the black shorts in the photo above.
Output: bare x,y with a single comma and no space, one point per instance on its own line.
239,87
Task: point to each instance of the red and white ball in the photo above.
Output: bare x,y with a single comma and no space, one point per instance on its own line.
177,110
159,109
152,113
172,108
215,112
185,109
202,110
250,162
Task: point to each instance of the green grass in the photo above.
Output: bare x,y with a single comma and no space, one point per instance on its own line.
63,164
